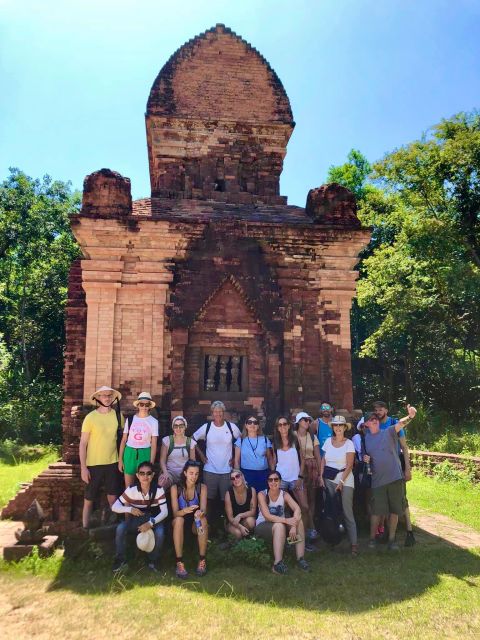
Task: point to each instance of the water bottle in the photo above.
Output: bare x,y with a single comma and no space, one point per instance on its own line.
198,524
368,469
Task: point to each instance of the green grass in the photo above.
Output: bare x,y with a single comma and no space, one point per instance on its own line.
13,473
458,500
430,592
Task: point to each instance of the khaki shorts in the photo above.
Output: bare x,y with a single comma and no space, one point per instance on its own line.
217,483
389,498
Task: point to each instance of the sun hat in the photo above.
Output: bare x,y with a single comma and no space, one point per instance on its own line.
339,420
301,415
146,541
144,395
116,394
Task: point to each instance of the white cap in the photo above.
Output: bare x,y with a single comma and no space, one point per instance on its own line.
301,415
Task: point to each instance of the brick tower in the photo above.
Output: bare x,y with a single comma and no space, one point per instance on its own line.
214,287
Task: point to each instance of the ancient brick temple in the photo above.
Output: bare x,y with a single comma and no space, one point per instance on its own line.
214,287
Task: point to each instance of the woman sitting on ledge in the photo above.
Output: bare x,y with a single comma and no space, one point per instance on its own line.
240,506
189,506
273,523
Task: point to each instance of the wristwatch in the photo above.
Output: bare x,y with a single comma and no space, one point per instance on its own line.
152,522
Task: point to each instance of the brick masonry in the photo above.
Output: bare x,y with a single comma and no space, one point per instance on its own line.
214,262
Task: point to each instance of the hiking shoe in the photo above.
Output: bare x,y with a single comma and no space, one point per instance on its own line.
354,550
410,539
372,544
303,564
201,569
280,568
312,534
310,547
180,571
393,546
119,565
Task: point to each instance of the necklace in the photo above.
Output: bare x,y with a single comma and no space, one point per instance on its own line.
251,445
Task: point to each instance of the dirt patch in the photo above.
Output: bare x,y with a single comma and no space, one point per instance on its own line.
433,528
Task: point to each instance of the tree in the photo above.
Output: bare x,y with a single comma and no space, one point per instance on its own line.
416,323
36,251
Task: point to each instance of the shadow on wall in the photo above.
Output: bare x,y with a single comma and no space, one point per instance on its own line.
337,583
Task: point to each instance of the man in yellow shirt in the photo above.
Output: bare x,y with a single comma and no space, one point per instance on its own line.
98,450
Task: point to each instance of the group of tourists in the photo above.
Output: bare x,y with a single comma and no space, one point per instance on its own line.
255,485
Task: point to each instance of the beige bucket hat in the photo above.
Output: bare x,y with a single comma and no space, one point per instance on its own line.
144,395
116,394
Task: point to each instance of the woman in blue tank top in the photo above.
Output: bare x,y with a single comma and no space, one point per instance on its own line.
189,507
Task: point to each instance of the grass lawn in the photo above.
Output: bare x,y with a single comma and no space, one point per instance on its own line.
429,591
12,474
458,500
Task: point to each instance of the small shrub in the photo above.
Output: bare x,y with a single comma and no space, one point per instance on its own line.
448,472
252,552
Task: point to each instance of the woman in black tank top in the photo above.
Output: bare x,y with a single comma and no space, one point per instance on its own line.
240,506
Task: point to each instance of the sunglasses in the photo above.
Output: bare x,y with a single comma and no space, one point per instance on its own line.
273,480
145,473
180,425
283,424
252,421
236,476
143,404
307,419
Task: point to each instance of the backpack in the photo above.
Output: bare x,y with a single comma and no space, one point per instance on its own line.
332,527
171,444
204,447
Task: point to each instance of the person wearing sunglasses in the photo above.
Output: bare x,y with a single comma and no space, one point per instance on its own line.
189,508
322,427
290,464
254,454
240,506
139,441
176,449
310,453
274,525
146,503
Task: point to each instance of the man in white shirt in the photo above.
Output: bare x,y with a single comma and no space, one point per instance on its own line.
219,437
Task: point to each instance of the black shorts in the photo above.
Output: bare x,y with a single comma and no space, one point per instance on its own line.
106,474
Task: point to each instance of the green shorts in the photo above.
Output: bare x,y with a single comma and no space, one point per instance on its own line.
133,457
389,498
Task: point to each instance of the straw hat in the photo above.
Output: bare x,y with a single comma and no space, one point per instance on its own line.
116,394
144,395
340,420
146,541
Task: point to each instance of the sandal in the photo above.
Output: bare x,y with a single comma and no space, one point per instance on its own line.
280,568
201,569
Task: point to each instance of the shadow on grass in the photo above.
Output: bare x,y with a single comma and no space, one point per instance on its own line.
336,582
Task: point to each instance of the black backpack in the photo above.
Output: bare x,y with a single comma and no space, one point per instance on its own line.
332,527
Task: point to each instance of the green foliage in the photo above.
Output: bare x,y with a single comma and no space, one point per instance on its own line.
252,552
416,327
36,251
352,174
447,472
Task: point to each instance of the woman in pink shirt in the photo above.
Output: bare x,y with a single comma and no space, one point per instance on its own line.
139,441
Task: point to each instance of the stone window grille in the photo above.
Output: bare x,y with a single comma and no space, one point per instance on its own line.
224,373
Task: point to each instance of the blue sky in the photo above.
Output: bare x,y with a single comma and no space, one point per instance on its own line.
370,74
